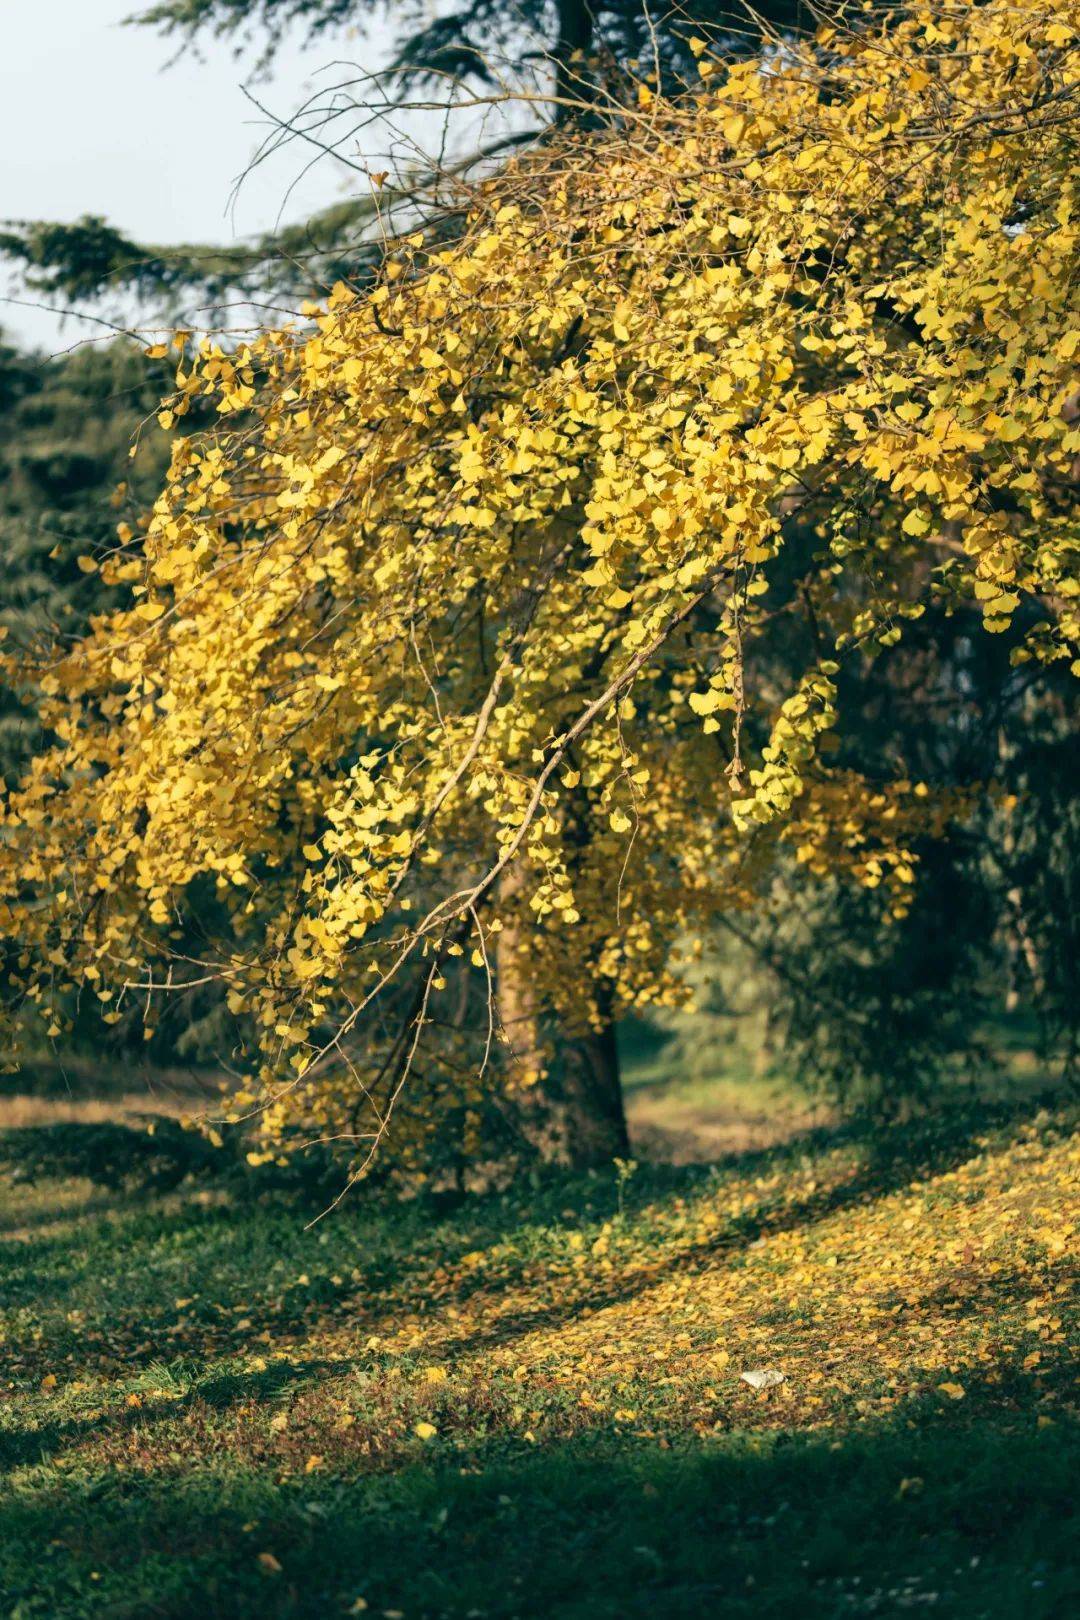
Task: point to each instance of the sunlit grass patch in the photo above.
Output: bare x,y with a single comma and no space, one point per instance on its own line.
389,1397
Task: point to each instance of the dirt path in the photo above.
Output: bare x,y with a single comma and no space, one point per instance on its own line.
709,1124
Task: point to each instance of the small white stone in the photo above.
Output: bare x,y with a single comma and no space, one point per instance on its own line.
762,1378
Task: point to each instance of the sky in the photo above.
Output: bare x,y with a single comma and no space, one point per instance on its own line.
93,120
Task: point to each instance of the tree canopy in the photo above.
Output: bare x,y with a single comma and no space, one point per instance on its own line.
501,625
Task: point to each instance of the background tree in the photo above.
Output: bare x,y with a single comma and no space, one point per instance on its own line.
67,480
66,426
878,1013
571,50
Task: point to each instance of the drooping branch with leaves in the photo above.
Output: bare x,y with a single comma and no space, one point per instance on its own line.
495,641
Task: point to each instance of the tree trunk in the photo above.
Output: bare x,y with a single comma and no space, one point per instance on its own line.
564,1093
515,994
575,36
587,1076
1019,943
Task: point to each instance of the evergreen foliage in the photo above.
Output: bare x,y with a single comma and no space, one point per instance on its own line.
66,426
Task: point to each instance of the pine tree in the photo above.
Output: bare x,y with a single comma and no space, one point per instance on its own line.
579,51
66,426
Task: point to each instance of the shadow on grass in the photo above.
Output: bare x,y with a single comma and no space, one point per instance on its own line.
24,1222
969,1513
888,1161
404,1245
971,1517
187,1390
154,1155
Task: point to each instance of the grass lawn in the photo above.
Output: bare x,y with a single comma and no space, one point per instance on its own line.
533,1406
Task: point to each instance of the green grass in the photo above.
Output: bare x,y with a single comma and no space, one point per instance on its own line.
210,1410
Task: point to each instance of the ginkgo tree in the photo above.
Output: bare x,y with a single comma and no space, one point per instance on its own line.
447,711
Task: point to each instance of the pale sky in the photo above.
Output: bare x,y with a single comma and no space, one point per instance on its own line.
93,121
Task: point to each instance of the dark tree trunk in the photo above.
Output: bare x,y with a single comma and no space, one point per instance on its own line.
587,1075
575,36
564,1094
